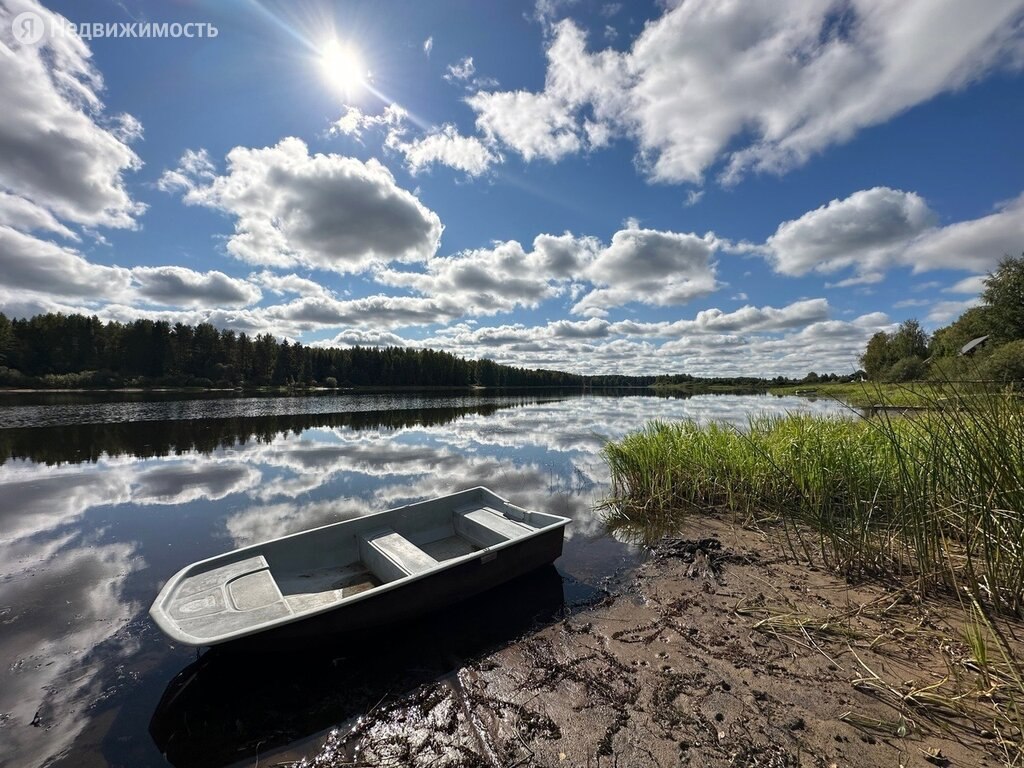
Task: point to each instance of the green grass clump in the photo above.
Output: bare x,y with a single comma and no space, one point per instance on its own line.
936,501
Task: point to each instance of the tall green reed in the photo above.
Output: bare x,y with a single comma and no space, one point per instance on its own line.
936,499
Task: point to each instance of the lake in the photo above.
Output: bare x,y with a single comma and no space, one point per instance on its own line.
102,498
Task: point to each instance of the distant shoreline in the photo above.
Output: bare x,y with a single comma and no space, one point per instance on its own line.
306,390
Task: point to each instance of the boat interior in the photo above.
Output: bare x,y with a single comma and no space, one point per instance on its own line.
400,547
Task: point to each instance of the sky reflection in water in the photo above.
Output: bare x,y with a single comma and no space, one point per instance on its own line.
94,518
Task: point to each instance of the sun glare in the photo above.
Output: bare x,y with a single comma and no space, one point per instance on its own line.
342,67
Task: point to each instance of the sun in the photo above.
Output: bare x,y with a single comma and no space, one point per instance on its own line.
342,67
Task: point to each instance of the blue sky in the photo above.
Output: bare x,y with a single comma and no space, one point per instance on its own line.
706,187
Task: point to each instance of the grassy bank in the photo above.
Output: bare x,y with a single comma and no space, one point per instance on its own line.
708,388
932,505
936,499
914,394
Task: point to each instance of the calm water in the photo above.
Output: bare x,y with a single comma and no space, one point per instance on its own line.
101,501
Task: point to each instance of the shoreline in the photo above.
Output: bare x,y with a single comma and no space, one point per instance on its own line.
307,390
698,659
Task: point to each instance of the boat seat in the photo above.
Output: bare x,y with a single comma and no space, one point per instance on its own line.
486,526
389,555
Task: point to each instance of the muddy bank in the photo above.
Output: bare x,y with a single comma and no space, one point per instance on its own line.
711,656
717,652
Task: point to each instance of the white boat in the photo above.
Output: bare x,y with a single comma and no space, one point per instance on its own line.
360,573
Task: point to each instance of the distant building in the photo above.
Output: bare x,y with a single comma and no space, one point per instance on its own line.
973,345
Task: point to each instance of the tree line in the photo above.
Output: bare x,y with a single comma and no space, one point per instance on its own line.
78,351
59,350
909,353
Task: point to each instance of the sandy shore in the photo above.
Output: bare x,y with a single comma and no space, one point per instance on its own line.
710,656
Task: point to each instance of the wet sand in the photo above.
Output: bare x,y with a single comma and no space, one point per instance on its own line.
709,656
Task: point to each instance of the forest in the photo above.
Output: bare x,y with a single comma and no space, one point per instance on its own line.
77,351
996,323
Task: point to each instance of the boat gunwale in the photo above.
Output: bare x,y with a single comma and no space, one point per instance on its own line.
173,630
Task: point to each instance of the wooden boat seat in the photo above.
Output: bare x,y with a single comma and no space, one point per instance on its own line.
389,555
486,526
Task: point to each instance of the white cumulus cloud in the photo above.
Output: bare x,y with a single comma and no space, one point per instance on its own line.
651,267
58,149
759,87
866,229
178,286
875,230
321,210
445,146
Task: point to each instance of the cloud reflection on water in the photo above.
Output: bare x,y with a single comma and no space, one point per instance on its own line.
63,612
84,546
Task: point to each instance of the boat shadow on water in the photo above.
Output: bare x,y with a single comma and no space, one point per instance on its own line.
234,703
